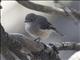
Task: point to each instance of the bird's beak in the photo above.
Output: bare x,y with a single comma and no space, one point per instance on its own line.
27,21
54,28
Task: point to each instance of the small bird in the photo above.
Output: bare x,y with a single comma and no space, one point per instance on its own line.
38,26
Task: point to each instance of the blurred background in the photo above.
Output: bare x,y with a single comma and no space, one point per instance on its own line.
13,15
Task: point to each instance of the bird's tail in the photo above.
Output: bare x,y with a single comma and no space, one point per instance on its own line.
54,28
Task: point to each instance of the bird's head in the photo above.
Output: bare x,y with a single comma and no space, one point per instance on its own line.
30,18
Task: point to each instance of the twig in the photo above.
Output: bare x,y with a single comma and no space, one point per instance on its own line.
68,46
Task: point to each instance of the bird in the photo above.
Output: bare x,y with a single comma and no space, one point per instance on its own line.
38,26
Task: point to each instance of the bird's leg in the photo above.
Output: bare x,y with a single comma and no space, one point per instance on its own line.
37,39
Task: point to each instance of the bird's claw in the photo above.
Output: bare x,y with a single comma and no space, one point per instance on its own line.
37,39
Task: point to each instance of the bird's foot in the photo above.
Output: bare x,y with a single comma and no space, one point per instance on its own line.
37,39
54,47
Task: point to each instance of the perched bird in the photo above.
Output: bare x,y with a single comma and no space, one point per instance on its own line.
38,26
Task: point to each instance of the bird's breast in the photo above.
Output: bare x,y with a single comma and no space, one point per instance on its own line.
44,34
35,31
